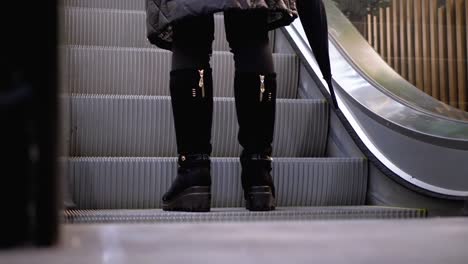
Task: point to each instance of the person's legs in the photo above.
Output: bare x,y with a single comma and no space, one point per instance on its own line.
191,88
255,95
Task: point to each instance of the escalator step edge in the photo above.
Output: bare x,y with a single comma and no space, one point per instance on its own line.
241,215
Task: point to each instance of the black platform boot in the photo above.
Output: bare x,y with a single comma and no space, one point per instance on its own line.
192,105
255,96
191,190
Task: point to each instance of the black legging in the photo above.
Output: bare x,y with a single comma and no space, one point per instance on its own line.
246,32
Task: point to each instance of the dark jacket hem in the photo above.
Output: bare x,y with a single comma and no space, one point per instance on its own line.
160,32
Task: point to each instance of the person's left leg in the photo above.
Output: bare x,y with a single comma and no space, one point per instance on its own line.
255,95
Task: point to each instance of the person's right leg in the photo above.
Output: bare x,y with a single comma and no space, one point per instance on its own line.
191,88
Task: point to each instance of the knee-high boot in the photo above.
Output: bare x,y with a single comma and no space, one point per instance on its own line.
255,96
192,105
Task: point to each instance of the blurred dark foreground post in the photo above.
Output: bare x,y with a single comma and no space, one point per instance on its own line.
28,121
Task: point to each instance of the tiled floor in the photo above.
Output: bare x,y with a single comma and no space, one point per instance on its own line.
440,241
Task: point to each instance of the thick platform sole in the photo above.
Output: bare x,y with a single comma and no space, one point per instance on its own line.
194,199
260,198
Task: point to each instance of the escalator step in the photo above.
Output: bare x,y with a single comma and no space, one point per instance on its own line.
104,27
138,183
131,71
112,4
120,28
239,215
142,126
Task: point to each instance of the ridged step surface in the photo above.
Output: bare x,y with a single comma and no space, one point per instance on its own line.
139,71
239,215
142,126
109,4
137,183
120,28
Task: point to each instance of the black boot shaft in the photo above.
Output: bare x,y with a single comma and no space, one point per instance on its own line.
255,96
192,106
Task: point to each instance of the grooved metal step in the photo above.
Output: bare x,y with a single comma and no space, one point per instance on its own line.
235,215
121,28
142,126
132,71
137,183
110,4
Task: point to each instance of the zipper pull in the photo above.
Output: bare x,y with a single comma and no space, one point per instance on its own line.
201,83
262,87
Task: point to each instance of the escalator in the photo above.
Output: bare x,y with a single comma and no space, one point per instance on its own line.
326,166
417,144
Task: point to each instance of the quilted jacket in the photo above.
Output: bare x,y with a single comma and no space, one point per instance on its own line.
161,14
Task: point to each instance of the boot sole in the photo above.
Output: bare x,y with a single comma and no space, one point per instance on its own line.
260,198
194,199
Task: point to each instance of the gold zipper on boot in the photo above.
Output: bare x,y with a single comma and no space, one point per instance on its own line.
201,83
262,87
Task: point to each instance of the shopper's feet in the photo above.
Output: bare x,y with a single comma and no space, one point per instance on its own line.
259,189
191,190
